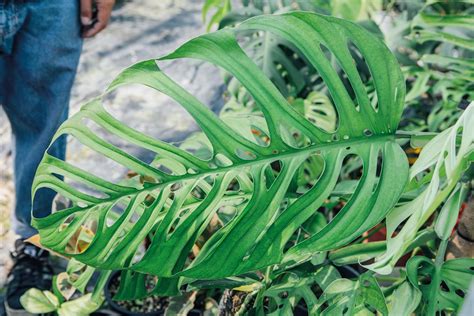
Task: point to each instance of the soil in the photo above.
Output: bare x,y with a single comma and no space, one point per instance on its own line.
149,304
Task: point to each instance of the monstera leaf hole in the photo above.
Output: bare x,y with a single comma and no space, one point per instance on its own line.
116,211
279,60
359,87
171,124
67,221
352,166
81,238
365,76
438,8
309,172
143,155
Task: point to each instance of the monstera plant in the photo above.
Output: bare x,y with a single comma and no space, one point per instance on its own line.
183,192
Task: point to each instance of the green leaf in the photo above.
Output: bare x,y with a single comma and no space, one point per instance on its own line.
404,300
62,287
81,306
419,87
445,28
278,60
227,283
441,27
443,287
221,8
449,214
346,297
319,109
355,9
288,292
359,253
424,36
166,208
37,302
180,305
79,274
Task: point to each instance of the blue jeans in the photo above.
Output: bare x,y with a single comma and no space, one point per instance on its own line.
40,45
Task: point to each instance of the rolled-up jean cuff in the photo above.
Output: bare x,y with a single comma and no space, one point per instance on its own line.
23,230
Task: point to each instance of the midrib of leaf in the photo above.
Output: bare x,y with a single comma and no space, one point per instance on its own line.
266,53
443,194
448,20
307,151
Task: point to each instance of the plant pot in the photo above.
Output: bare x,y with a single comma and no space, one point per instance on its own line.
120,308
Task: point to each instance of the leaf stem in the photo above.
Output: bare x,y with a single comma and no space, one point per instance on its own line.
441,252
409,134
266,282
99,288
387,278
268,272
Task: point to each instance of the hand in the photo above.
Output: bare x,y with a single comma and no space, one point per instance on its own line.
104,9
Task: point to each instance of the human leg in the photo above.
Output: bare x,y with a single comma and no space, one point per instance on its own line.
40,71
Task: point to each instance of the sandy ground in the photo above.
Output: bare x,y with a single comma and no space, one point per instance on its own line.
140,29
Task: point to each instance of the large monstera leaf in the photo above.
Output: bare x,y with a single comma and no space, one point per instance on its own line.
182,193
